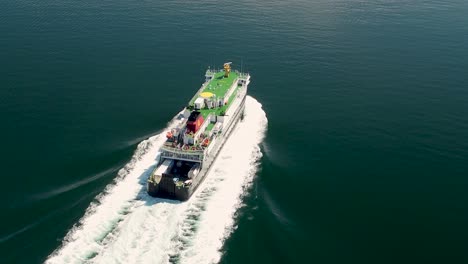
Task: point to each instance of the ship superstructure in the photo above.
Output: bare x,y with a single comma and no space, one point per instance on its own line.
192,146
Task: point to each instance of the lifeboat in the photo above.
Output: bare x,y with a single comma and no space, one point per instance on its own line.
169,134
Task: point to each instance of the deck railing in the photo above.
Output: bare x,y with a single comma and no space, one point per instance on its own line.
175,153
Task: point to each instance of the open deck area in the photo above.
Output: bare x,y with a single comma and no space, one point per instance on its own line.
219,110
219,85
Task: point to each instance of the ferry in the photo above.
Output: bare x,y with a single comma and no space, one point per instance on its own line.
206,123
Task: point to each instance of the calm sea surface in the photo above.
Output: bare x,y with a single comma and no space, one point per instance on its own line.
365,159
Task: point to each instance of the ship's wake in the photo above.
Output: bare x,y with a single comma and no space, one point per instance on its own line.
125,225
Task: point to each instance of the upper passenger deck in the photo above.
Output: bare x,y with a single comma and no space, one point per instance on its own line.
219,85
219,88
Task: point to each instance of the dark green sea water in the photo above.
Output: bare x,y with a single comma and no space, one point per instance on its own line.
365,159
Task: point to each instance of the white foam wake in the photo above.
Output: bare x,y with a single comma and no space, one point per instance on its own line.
128,226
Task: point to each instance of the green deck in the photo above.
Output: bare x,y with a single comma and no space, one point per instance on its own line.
209,127
220,110
219,86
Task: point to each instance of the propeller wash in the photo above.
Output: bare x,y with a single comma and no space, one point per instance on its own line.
126,224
